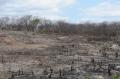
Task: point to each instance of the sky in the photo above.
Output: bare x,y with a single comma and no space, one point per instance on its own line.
69,10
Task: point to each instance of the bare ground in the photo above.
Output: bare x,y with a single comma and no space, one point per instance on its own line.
31,52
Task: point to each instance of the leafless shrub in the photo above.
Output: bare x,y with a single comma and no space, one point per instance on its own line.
105,30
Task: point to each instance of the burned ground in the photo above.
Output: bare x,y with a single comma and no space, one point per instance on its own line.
43,56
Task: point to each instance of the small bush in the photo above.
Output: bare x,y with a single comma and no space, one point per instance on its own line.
115,77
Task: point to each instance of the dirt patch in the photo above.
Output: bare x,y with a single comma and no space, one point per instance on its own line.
6,39
11,41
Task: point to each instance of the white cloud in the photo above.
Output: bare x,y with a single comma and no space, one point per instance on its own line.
43,8
106,8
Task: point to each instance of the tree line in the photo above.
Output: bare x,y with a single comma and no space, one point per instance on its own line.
40,25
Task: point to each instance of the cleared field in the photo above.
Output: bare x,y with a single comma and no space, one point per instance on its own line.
26,54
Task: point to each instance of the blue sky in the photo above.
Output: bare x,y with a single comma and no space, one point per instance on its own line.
69,10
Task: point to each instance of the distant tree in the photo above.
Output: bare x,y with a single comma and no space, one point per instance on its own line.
104,30
4,23
33,24
24,22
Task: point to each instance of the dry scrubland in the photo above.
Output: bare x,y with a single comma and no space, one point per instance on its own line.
50,56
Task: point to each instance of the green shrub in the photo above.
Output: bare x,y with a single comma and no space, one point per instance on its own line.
115,77
87,77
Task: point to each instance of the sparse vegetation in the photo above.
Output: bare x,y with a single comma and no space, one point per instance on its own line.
36,48
105,31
